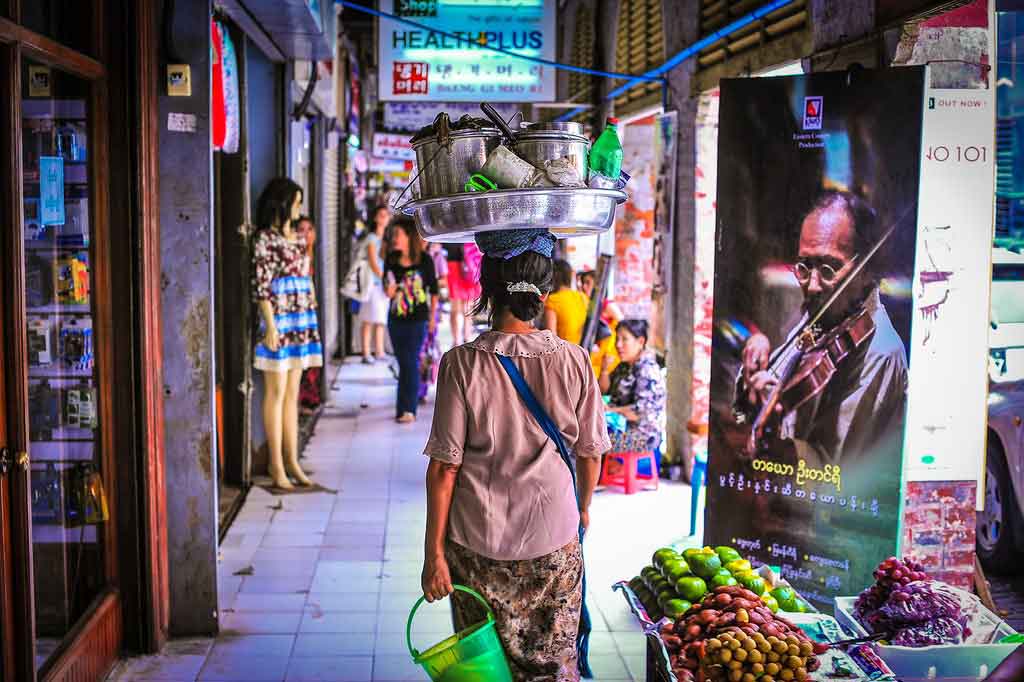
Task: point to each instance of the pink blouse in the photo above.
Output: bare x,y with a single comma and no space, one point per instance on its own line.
513,496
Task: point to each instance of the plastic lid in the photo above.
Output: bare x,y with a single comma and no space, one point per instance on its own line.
613,121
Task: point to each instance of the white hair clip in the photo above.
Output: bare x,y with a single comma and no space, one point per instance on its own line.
523,288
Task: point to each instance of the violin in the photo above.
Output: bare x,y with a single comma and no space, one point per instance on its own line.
805,370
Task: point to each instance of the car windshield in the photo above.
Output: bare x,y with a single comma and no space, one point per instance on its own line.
1008,294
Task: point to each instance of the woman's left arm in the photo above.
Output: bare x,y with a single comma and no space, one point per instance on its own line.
436,579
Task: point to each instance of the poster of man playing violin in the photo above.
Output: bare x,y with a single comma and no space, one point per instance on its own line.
816,229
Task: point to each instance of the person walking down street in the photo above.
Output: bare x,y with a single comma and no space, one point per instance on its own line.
463,286
636,389
412,288
502,515
565,311
430,353
373,313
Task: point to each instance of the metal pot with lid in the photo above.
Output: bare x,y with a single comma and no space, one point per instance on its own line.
447,153
540,142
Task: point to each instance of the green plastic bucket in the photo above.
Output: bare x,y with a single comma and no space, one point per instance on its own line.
473,655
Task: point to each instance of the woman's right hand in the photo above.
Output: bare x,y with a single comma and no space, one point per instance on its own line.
606,363
272,339
436,579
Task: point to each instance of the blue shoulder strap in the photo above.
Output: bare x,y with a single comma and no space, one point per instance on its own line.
552,431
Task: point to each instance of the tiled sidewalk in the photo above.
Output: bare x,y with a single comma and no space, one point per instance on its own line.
330,579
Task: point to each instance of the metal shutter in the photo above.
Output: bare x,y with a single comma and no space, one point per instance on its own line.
330,232
639,47
583,40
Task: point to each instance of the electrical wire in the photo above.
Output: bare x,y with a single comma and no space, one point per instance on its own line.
537,60
690,51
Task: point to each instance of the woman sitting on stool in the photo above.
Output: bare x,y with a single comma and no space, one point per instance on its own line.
636,390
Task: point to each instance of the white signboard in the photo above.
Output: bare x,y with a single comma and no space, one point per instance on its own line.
421,64
393,146
949,347
411,116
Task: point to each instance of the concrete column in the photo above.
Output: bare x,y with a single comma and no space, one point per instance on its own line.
186,232
836,23
681,21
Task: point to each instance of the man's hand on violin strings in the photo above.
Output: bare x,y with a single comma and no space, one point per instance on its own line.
755,354
759,388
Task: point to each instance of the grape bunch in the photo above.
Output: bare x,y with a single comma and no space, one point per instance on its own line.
890,574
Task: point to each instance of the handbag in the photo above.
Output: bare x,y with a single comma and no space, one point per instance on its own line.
551,430
358,281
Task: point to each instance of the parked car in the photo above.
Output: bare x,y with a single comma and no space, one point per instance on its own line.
1006,338
1000,526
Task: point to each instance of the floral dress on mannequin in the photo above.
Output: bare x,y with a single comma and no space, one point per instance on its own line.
281,276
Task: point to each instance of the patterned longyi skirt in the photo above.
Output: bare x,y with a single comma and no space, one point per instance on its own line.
536,605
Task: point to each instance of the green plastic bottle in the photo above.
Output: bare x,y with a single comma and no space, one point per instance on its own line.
606,153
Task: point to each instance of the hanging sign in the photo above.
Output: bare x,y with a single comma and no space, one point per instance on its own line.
411,116
393,146
51,190
420,64
815,486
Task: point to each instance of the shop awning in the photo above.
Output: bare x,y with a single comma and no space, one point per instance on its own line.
286,29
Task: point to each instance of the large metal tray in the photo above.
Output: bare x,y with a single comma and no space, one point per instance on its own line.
567,212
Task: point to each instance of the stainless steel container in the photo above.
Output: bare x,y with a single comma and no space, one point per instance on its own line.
540,142
443,173
566,212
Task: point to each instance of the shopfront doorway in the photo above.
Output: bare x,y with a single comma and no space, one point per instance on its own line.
58,541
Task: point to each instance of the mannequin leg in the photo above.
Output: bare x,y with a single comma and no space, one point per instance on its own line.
378,333
457,322
290,439
273,403
366,328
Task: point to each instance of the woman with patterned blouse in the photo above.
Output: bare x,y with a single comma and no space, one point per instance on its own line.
636,389
283,292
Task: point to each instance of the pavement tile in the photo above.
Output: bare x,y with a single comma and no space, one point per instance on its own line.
245,623
244,668
331,669
255,601
254,645
277,584
338,621
333,644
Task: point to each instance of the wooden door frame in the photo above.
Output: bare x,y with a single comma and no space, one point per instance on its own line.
82,654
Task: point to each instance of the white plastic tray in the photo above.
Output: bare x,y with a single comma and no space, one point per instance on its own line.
947,662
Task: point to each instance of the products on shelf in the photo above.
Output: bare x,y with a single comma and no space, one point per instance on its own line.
40,353
44,409
34,228
71,279
38,281
80,408
47,493
75,346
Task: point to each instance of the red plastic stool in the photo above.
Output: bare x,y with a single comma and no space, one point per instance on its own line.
628,478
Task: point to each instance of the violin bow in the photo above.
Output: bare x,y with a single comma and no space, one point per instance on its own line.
790,364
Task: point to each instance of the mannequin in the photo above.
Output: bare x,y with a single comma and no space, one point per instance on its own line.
291,340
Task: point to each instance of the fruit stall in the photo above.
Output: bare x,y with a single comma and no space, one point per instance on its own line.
709,615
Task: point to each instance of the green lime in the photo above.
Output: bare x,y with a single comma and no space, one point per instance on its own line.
674,570
722,579
786,598
662,555
675,608
738,566
705,563
770,602
752,581
727,554
691,588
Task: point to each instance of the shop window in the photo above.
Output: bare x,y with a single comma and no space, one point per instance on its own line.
69,23
68,500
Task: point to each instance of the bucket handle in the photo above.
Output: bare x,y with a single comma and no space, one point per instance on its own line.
419,602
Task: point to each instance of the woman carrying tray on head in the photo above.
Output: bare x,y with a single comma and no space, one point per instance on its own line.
502,515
